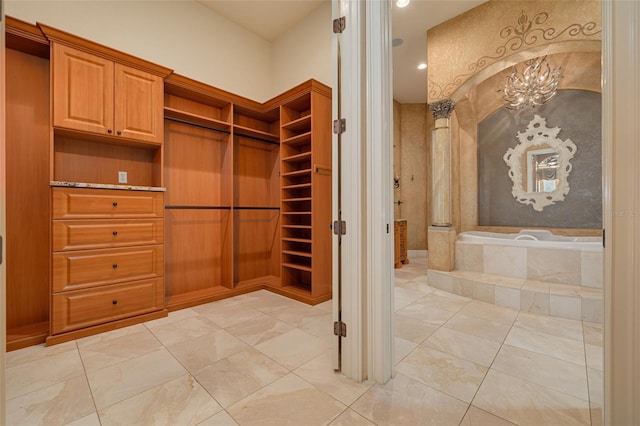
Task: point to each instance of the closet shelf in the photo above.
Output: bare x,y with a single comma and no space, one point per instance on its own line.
298,157
297,226
299,267
297,240
295,200
196,120
297,253
298,173
256,134
296,213
301,139
298,186
303,123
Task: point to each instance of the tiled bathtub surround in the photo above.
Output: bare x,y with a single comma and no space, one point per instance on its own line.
563,266
539,297
265,361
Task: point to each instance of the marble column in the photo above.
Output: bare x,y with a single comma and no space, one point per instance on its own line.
441,164
441,235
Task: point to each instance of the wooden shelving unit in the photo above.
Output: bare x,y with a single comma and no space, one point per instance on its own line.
198,209
256,199
247,185
306,197
28,201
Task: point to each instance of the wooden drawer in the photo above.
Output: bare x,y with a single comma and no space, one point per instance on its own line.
84,203
89,268
83,308
94,234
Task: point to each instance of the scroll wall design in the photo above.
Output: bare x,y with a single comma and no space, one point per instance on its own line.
524,34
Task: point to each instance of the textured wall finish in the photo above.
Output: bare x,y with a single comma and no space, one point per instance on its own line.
489,37
397,159
413,173
578,114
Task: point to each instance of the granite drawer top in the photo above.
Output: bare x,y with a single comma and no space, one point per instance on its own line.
106,186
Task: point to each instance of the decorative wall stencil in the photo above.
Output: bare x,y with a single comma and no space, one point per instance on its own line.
546,159
524,34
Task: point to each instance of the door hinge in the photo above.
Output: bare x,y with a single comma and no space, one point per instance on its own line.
339,227
340,329
339,126
339,24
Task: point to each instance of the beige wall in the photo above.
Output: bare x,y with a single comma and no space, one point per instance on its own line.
410,163
195,41
304,52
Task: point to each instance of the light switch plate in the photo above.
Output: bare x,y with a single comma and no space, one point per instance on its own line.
122,177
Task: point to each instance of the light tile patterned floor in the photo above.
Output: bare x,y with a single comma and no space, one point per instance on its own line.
263,359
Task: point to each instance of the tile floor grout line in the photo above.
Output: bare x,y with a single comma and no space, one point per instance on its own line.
86,378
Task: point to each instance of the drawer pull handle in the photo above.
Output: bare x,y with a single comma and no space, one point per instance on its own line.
109,131
115,204
119,132
115,233
114,266
115,302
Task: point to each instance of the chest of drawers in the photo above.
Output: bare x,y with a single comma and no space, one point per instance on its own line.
107,258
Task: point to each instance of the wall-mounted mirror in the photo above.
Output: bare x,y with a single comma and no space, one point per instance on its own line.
539,165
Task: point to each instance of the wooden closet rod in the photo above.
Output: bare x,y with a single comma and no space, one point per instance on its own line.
202,126
197,207
256,208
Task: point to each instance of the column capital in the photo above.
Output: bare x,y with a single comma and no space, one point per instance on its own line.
442,109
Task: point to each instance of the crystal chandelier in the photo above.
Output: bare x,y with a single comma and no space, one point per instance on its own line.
534,85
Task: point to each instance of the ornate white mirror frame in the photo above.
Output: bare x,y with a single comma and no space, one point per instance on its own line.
538,137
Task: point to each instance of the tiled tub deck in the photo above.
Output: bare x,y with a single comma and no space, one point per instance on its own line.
565,283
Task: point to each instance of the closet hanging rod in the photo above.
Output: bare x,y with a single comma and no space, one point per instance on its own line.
256,208
256,138
197,208
202,126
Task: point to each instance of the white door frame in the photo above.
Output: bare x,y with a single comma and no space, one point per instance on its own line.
621,205
3,198
366,198
621,193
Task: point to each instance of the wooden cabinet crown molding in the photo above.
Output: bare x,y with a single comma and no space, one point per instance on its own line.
25,37
308,86
62,37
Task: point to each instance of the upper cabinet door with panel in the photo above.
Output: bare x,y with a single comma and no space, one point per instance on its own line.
82,91
139,98
97,95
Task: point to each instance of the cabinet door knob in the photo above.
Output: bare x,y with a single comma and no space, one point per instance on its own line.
114,266
115,302
115,233
109,131
119,132
115,204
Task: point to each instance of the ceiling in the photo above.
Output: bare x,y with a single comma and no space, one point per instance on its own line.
271,18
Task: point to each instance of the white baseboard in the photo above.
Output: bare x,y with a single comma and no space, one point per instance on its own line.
417,253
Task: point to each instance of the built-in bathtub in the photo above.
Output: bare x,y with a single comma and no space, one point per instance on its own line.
532,238
533,271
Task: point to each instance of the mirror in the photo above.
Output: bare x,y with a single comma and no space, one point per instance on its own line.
539,165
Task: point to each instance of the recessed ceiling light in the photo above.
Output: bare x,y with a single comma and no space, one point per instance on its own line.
422,66
397,42
402,3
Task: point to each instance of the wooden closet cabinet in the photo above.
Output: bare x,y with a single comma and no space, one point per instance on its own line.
97,95
107,258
